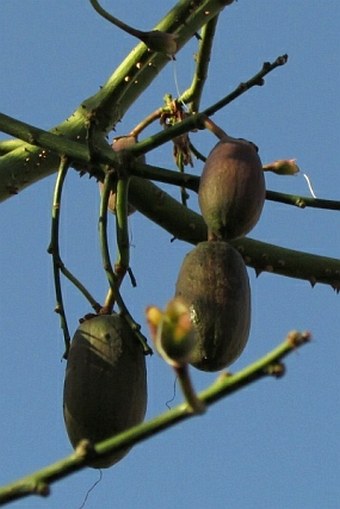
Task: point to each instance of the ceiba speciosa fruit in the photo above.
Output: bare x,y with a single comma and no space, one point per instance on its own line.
214,284
105,389
232,189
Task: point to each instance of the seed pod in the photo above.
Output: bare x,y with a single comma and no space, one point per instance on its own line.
232,189
105,385
214,284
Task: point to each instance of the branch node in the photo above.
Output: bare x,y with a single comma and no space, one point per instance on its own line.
296,339
277,370
85,450
40,488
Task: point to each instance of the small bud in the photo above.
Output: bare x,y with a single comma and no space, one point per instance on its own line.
172,332
283,167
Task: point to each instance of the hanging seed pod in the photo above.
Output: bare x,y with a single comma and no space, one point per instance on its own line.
213,283
105,385
232,189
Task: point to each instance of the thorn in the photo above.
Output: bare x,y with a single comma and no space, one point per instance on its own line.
312,281
41,488
336,286
277,370
258,271
12,189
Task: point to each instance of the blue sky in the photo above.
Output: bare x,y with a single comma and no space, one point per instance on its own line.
273,444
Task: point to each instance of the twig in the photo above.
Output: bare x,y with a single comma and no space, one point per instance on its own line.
195,404
53,249
192,95
196,121
225,385
303,201
111,276
256,80
155,115
123,244
155,40
58,265
123,255
114,295
190,181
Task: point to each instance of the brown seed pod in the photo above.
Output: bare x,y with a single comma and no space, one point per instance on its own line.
105,385
232,189
214,284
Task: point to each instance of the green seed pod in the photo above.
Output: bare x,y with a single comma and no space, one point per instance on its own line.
105,389
214,284
232,189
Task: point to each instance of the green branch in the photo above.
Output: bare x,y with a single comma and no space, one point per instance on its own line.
22,165
197,121
29,164
193,94
53,249
226,384
112,278
303,201
185,224
58,264
180,221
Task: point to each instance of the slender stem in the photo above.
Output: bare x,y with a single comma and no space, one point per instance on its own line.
214,128
225,385
155,115
115,21
75,281
58,265
104,245
194,403
54,250
123,244
303,201
122,234
111,276
190,181
193,94
256,80
155,40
